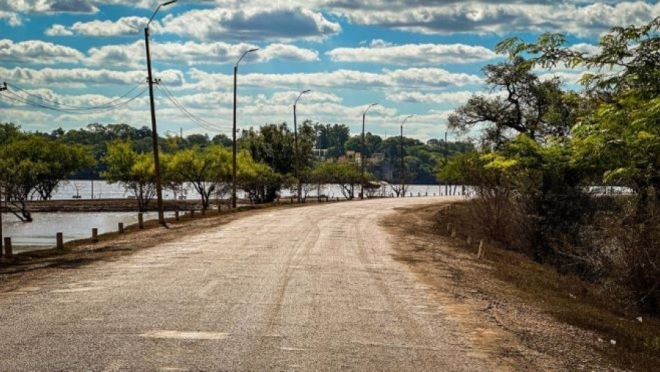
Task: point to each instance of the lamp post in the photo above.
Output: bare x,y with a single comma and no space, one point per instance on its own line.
295,140
403,166
233,132
154,132
362,151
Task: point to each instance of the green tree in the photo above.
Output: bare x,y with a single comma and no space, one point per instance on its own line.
345,174
35,164
133,170
209,170
526,105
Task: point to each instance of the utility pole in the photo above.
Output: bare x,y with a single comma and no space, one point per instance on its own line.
295,140
362,159
446,185
154,131
3,87
233,133
403,164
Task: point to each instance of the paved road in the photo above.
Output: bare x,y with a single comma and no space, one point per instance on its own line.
302,289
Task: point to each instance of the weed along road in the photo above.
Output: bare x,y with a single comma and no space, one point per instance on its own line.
309,288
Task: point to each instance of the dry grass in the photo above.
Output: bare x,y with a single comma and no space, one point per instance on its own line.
560,322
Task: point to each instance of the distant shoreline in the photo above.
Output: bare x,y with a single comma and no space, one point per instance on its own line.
112,205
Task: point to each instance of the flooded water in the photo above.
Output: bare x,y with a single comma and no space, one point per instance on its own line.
40,234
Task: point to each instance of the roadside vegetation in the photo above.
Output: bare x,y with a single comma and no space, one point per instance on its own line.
569,174
33,165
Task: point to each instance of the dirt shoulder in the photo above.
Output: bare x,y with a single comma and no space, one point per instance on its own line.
522,315
28,266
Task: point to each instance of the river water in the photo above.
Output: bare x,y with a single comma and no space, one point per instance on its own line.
40,234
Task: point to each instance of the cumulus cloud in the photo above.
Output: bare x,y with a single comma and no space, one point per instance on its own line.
193,53
451,17
252,23
58,30
38,52
11,18
77,77
413,54
49,6
426,78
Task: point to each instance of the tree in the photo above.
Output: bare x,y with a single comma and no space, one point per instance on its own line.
37,164
332,138
274,146
206,169
345,174
525,105
134,171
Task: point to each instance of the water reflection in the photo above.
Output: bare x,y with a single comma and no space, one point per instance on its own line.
40,234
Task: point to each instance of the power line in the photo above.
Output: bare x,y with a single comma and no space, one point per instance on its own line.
74,107
95,110
196,119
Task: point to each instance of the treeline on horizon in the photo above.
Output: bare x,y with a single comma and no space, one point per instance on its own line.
422,159
33,164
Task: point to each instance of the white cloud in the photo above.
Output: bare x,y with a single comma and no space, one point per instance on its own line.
425,78
37,52
453,17
192,53
419,97
77,77
122,26
58,30
11,18
413,54
251,23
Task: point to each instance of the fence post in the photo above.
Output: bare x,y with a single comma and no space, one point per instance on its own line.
120,227
59,238
482,250
95,235
192,214
140,221
8,250
176,215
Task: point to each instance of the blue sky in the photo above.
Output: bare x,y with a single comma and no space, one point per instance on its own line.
85,59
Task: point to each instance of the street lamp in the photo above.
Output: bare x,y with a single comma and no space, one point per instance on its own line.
295,136
403,167
362,151
233,169
154,133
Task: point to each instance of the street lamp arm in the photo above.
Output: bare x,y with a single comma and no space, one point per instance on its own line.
368,107
406,119
157,9
244,54
300,95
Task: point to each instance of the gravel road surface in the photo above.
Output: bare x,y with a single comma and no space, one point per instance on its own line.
299,289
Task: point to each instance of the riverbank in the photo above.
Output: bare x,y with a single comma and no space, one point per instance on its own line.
112,205
130,205
558,320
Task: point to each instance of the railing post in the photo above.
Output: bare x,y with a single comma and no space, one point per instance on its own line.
120,227
8,249
95,235
59,238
